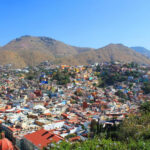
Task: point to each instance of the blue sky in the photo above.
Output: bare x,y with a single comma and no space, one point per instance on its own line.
90,23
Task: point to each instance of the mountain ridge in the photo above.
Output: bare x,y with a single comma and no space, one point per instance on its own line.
142,50
31,50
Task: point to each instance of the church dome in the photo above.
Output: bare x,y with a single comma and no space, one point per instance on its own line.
5,144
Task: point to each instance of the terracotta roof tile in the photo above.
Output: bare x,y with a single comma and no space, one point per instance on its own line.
42,138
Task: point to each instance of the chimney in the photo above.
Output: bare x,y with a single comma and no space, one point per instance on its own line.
3,135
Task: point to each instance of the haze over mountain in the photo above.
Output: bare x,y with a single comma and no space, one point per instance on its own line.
142,50
30,50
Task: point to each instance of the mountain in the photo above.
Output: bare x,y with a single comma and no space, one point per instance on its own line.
30,50
34,50
142,50
111,52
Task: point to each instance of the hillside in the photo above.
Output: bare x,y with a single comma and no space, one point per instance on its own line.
142,51
119,52
111,52
30,50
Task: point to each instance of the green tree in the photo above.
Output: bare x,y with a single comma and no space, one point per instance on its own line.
146,88
62,77
145,107
101,83
98,68
93,126
121,94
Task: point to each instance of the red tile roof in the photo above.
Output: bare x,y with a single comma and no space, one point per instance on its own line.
64,115
13,129
74,138
42,138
